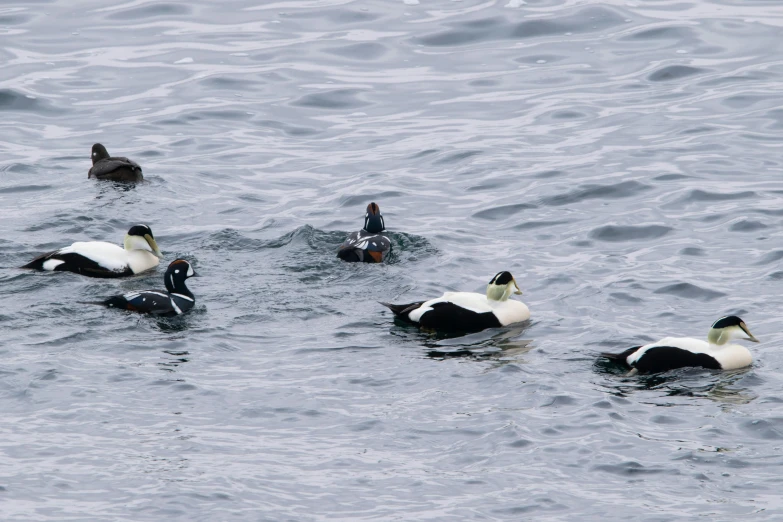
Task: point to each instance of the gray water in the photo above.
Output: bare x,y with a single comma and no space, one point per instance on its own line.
621,159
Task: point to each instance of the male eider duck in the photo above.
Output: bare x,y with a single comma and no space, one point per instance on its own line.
368,244
175,300
467,311
101,259
679,352
113,168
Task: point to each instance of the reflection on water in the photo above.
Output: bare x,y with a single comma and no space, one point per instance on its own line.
172,363
491,344
505,352
722,387
181,323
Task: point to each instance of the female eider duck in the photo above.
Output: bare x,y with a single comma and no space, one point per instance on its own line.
175,300
680,352
467,311
368,244
101,259
112,168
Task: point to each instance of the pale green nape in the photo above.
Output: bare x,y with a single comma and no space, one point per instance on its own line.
137,243
498,292
721,336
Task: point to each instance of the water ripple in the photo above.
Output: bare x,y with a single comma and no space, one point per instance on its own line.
620,159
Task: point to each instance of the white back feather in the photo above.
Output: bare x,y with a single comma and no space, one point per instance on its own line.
113,257
730,356
507,312
108,255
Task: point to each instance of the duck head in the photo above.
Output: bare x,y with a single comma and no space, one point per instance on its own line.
502,286
728,328
140,237
99,152
176,274
373,220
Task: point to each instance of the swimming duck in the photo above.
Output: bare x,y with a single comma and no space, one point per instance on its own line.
467,311
113,168
102,259
175,300
367,245
679,352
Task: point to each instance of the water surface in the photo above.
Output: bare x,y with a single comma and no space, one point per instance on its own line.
621,159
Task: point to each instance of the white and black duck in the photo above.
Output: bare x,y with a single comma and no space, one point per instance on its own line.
467,311
112,168
716,353
102,259
367,245
175,300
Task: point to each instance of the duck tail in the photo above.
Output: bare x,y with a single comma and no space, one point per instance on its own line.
37,263
395,308
350,255
117,301
621,357
402,310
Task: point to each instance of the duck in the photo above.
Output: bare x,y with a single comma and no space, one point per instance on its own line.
111,168
467,311
716,353
102,259
367,245
175,300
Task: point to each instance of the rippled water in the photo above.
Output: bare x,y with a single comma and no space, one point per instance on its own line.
622,159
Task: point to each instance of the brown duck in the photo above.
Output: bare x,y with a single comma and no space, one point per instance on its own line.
111,168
